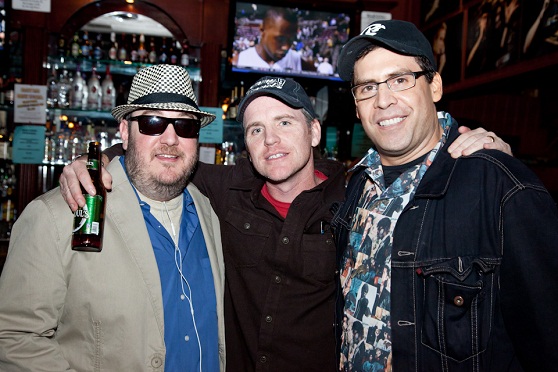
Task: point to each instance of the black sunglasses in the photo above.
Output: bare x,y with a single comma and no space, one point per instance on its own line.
156,125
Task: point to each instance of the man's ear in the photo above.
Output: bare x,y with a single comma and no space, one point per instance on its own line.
436,88
124,133
316,129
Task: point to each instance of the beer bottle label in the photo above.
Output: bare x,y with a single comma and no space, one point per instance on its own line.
92,164
87,219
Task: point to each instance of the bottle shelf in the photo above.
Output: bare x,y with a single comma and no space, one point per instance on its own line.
126,68
91,114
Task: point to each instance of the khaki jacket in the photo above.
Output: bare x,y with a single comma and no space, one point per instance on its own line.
84,311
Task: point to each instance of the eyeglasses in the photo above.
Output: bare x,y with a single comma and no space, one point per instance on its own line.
156,125
395,84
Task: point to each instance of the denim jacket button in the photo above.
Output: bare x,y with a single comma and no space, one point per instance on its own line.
458,301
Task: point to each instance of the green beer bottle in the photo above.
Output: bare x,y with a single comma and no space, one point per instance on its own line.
89,220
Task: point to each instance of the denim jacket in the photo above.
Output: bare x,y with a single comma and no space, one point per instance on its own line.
474,267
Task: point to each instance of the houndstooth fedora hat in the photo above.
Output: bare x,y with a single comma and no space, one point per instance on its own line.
162,87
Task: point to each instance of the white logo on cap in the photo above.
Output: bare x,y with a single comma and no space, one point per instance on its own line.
276,83
372,30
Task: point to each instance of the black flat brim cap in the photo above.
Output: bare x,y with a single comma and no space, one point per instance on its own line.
398,36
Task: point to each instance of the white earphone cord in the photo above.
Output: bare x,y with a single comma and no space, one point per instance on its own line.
178,263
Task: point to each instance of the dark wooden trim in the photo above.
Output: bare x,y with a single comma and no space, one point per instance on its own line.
98,8
515,70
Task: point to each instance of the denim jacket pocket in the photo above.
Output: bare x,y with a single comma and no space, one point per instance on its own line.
457,305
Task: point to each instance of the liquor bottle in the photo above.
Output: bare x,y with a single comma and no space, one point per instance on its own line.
241,92
64,89
152,57
173,54
103,136
142,52
98,47
94,91
9,90
229,155
85,46
113,50
88,229
108,99
134,57
123,50
52,88
121,95
62,46
163,52
185,56
78,95
75,48
75,145
89,135
232,110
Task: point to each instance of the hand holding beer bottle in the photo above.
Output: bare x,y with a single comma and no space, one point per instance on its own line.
87,234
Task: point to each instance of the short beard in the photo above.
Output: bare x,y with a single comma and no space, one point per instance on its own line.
151,186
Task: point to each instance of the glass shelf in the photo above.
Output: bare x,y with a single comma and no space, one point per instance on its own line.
126,68
92,114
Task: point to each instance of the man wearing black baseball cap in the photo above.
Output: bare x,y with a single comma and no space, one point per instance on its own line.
462,239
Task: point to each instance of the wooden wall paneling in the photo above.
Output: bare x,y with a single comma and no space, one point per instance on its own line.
214,26
35,43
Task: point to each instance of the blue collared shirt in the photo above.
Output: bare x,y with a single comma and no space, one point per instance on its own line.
182,327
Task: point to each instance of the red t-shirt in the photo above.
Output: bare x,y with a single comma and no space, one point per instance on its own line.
281,207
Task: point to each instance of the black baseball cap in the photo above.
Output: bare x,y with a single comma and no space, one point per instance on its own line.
285,90
398,36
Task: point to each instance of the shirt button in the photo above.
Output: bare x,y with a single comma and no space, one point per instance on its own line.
458,301
285,240
277,279
263,359
156,361
187,338
268,319
246,225
329,241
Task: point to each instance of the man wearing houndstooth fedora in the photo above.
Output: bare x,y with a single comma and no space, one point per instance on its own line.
152,299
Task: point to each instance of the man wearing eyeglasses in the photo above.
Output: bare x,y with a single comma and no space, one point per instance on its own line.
471,271
152,299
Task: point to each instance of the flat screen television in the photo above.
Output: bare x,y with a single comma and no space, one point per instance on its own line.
287,41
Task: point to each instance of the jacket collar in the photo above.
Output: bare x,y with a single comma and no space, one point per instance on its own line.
436,179
332,169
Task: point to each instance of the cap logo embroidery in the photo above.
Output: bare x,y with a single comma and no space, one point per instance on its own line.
373,29
276,83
